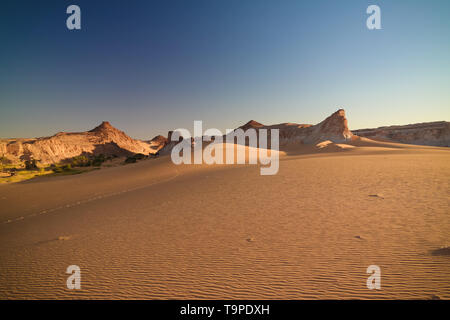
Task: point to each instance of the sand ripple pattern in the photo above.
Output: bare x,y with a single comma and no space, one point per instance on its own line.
307,233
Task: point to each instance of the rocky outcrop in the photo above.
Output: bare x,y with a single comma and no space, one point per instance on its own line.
168,146
334,128
428,133
158,142
251,124
104,139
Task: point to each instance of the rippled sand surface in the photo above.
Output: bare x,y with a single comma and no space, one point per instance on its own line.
154,230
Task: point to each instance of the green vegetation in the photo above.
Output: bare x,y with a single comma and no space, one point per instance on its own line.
61,168
140,156
70,167
135,158
29,169
98,160
20,175
5,163
80,161
130,160
15,172
31,164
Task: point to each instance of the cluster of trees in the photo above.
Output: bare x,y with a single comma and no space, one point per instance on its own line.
96,161
31,164
134,158
78,161
4,162
140,156
81,161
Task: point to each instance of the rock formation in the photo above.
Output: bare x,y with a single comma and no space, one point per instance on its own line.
158,142
104,139
428,133
251,124
107,140
334,128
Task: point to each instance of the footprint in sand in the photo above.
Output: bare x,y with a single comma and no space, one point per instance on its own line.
64,238
377,195
54,240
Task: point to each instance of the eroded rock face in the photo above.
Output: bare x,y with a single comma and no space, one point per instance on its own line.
158,142
169,145
104,139
334,128
428,133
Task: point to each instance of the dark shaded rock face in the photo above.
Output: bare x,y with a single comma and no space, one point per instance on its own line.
428,133
159,142
160,139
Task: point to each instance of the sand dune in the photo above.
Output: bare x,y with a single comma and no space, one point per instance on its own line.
156,230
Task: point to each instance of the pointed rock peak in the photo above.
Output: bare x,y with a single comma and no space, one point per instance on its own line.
160,139
337,118
336,125
104,126
339,113
251,124
254,123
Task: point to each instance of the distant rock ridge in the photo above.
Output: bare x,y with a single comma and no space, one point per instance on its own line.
104,127
158,142
426,133
103,139
334,128
159,139
108,140
251,124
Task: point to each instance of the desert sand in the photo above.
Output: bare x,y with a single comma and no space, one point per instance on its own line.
154,230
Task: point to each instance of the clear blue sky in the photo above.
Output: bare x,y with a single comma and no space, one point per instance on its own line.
150,66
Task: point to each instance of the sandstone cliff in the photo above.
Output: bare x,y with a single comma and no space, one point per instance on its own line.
104,139
334,128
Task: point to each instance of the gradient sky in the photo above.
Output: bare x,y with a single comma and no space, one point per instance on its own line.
150,66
